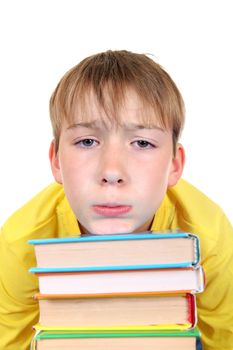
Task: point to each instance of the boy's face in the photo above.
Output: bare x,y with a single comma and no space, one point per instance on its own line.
115,176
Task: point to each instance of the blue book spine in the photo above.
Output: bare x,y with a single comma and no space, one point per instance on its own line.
108,268
120,237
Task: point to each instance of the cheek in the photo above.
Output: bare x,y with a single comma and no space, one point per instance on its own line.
76,182
153,174
71,167
151,184
73,178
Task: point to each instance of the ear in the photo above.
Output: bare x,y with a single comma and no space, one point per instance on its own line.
177,166
54,162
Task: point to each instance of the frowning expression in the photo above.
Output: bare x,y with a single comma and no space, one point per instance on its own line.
115,175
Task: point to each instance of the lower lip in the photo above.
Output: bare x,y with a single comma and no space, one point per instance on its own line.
109,211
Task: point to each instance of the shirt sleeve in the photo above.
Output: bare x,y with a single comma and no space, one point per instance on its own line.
18,309
215,304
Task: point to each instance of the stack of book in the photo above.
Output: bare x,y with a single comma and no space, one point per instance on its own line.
134,291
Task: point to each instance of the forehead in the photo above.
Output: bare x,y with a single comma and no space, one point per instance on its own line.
129,109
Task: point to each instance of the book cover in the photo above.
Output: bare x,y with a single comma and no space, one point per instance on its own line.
130,340
114,311
165,249
79,281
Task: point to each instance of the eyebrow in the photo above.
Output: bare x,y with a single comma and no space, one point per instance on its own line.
95,124
134,126
91,124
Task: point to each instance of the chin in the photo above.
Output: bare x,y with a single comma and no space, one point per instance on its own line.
111,228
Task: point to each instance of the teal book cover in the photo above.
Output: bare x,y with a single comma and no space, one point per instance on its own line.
108,252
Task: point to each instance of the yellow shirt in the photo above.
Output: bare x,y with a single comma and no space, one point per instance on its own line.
49,215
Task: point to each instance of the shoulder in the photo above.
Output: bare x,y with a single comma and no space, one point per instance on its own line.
197,212
38,218
38,213
191,201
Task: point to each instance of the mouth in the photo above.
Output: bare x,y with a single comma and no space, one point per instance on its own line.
111,210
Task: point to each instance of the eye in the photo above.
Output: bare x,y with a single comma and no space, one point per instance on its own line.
86,143
143,144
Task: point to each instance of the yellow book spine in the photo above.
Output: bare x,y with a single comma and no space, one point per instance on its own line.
115,328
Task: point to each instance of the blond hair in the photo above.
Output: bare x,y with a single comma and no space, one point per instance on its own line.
114,72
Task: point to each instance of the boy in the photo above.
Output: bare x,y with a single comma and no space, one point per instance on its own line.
117,117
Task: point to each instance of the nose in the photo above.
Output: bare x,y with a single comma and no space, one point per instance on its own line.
112,179
113,168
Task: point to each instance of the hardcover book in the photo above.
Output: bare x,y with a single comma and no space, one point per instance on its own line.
114,311
119,280
137,340
154,248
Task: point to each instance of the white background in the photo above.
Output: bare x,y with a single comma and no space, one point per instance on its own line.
40,40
